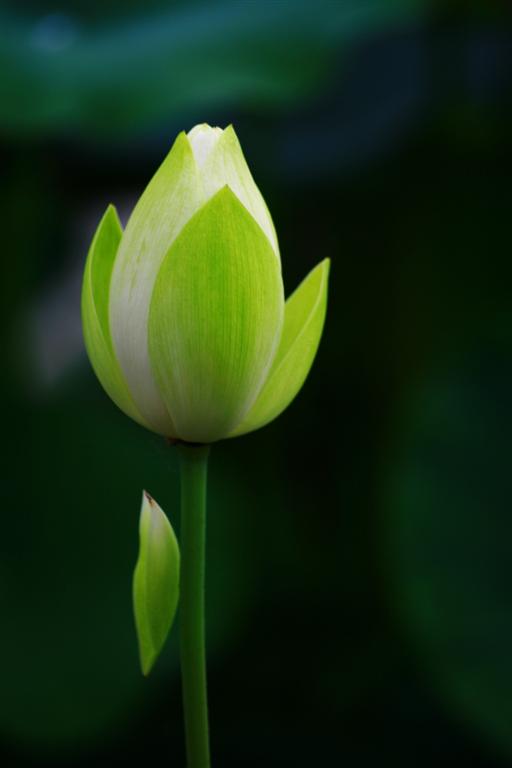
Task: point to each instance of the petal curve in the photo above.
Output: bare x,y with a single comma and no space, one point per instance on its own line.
303,324
95,292
172,196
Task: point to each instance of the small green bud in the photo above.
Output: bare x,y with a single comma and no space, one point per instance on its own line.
155,581
184,316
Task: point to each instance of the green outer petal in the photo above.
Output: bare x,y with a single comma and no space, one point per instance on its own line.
173,195
215,319
226,165
95,291
303,324
155,581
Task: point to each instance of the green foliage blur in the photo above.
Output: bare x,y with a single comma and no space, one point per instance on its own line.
359,569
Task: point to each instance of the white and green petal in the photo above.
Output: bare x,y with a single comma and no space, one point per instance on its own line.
171,198
303,324
215,319
95,321
155,581
222,162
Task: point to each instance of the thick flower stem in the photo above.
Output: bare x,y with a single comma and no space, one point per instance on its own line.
194,463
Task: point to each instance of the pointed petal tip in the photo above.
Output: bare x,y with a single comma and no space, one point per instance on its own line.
181,138
228,195
146,665
325,264
111,214
322,270
325,267
146,496
228,192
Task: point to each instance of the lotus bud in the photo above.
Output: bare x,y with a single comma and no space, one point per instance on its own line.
184,316
155,581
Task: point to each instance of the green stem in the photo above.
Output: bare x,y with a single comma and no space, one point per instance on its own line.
194,464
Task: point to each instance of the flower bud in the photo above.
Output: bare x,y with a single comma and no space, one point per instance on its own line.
183,313
155,581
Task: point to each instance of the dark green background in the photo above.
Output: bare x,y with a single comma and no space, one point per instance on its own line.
359,558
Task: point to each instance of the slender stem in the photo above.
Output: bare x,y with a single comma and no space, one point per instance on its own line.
194,464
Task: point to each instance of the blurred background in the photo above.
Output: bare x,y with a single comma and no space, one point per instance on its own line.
359,557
